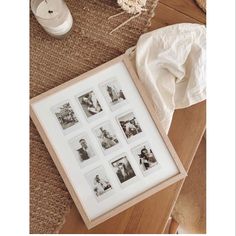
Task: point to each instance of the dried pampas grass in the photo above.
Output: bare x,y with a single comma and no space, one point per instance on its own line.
134,7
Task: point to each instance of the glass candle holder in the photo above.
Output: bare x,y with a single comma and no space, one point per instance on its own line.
54,16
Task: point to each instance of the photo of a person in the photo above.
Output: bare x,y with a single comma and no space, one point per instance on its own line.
129,125
101,185
123,169
90,104
107,140
113,93
82,148
84,151
99,182
65,115
145,157
106,136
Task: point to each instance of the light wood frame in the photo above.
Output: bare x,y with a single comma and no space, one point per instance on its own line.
148,102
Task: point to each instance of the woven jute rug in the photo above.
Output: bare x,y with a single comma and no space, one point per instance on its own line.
53,62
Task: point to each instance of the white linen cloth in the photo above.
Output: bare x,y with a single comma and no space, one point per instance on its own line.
171,61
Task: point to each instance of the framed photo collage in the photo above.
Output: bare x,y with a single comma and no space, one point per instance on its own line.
103,135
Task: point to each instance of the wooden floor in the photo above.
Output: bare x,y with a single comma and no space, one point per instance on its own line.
188,126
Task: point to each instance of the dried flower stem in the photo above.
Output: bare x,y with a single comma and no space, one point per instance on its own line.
119,26
118,14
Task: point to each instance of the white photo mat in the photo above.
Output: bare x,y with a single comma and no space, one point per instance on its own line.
76,172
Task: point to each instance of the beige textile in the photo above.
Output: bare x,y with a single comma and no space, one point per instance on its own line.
171,62
53,62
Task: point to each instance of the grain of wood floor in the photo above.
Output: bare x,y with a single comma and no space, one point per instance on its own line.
187,129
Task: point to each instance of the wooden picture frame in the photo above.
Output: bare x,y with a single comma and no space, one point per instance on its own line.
62,168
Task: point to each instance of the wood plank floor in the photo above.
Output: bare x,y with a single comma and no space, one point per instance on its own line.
188,126
186,7
190,208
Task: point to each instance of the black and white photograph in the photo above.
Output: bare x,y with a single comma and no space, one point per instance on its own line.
65,115
122,168
113,94
106,137
99,182
82,149
90,104
145,157
130,126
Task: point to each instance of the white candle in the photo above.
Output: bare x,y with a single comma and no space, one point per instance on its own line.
53,15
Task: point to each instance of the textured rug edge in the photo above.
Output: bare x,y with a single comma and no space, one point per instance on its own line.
60,226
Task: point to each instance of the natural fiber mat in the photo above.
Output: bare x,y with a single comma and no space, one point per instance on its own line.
53,62
201,4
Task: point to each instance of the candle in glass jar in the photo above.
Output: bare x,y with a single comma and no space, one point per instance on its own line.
53,15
